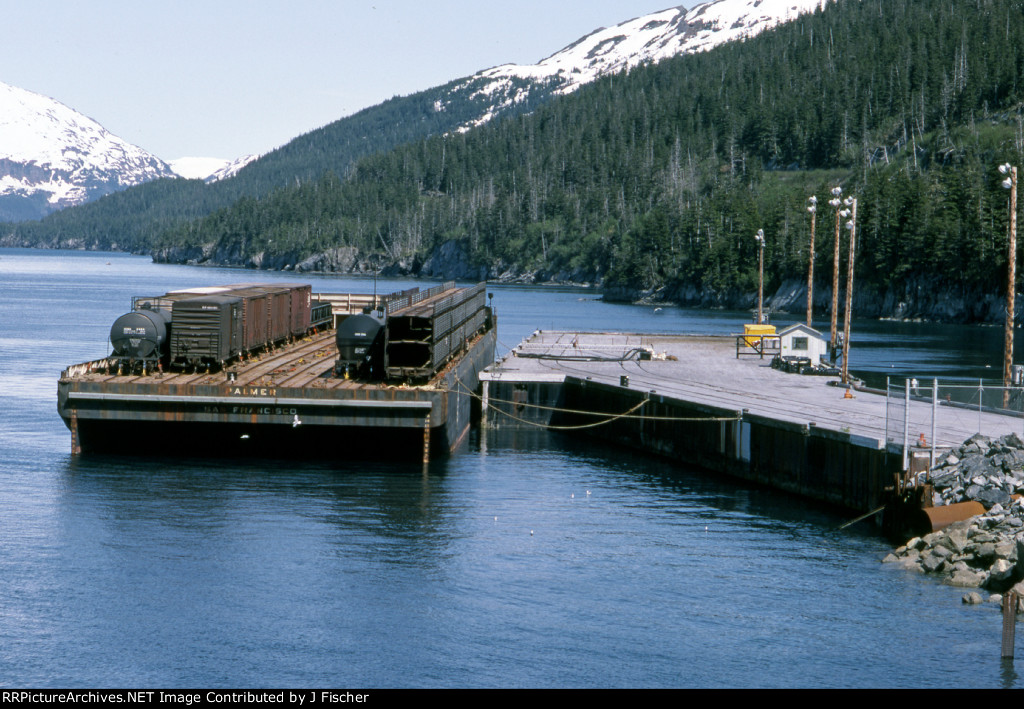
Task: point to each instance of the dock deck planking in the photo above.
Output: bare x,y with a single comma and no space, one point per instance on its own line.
706,371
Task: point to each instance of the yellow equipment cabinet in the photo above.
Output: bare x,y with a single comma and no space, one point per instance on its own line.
752,334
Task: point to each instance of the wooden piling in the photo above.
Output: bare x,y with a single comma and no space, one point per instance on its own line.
1010,603
76,445
426,438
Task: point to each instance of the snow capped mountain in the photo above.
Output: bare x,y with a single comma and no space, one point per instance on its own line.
209,169
197,168
231,168
52,157
650,38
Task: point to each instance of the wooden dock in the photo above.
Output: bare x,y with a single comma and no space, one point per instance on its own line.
737,415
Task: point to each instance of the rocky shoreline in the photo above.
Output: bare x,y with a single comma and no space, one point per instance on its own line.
448,261
912,300
985,551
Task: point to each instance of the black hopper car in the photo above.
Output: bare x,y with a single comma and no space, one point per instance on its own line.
360,341
209,327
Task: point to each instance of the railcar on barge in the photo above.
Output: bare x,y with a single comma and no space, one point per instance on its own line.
299,398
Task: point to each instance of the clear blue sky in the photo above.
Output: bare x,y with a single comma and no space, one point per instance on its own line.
225,78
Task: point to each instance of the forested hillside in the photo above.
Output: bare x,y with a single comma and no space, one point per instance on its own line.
131,220
659,179
656,181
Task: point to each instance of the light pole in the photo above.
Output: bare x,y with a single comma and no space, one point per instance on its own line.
760,275
813,209
835,202
852,226
1010,183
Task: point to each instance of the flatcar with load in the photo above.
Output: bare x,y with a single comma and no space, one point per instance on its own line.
411,335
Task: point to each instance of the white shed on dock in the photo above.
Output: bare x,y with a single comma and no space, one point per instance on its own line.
802,341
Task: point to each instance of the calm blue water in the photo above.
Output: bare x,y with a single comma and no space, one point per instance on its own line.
527,560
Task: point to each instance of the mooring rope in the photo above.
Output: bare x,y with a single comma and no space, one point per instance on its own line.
580,426
613,417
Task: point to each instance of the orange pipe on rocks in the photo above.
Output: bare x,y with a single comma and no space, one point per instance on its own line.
943,516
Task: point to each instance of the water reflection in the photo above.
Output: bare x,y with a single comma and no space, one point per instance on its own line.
1010,677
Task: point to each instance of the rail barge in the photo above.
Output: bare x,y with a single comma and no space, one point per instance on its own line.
294,400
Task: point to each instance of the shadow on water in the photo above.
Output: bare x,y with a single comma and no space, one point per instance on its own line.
707,494
388,498
395,497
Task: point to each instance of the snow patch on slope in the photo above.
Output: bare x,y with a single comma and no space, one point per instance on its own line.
209,169
650,38
55,156
194,168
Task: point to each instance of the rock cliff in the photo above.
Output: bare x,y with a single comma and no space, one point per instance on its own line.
913,299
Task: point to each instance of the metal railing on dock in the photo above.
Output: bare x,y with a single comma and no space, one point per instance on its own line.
348,303
758,346
923,417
